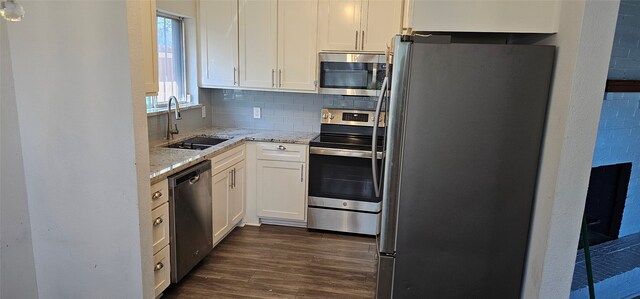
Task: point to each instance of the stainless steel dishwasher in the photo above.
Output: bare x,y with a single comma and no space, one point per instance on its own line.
190,211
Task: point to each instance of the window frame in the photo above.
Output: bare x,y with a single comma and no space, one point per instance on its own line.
184,98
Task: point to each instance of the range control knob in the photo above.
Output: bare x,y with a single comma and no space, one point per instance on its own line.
331,116
324,115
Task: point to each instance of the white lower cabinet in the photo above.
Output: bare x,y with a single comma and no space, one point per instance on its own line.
281,190
161,270
228,194
160,236
160,221
220,204
237,196
281,181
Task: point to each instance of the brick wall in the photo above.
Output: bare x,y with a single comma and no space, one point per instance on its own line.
619,142
280,110
619,132
625,55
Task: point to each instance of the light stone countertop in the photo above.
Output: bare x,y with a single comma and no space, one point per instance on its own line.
167,161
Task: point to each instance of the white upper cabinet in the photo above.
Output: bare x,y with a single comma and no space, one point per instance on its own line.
525,16
218,44
381,20
278,44
150,46
358,25
297,37
258,43
339,24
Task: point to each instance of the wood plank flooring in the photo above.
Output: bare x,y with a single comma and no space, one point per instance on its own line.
284,262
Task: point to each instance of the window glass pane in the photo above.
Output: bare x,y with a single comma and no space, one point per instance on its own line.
171,76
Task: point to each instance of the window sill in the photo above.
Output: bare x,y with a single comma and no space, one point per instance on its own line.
163,110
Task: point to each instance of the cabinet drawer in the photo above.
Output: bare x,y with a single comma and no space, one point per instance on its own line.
159,193
161,270
227,159
160,229
281,152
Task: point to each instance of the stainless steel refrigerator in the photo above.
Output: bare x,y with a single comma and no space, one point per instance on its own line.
463,144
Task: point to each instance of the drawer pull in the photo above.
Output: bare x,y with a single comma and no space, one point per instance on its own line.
158,267
157,222
156,195
281,147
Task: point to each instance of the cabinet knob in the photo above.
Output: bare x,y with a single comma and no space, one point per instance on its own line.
156,195
281,147
157,222
158,267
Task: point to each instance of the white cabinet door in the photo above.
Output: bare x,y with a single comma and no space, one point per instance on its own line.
237,198
484,16
159,193
339,25
258,43
149,46
381,20
221,183
297,36
218,48
281,189
161,270
160,229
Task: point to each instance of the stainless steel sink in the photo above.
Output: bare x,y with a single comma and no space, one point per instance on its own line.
197,143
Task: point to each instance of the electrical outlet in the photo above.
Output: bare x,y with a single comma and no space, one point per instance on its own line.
204,111
256,112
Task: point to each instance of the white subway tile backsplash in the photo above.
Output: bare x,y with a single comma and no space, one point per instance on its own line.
280,110
303,128
283,127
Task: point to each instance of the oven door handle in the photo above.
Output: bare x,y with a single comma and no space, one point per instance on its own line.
342,152
374,138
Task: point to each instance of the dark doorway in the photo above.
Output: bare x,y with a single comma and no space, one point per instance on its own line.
605,201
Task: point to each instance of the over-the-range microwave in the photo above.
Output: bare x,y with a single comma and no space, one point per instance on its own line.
352,73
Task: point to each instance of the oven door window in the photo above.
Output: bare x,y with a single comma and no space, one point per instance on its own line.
341,178
346,75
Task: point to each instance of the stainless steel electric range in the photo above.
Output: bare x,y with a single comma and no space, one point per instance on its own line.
344,177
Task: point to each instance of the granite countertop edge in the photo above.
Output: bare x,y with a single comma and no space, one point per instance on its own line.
165,162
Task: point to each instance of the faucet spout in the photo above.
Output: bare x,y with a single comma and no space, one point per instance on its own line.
172,131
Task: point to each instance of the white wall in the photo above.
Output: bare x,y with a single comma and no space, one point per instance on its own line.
78,133
584,40
17,269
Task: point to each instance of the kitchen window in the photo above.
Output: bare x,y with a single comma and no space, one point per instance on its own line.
171,62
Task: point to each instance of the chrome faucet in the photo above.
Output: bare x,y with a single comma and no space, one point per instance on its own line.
170,131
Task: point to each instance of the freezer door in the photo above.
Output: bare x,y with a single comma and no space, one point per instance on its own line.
473,125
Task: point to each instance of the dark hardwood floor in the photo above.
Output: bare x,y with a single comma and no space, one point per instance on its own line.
283,262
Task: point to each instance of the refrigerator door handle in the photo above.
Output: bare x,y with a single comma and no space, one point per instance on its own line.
374,141
393,145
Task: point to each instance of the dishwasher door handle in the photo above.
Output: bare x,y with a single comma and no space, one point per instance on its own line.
194,179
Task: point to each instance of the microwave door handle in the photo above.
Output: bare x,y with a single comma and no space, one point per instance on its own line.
374,141
374,76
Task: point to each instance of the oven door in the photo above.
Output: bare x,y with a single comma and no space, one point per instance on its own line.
342,177
351,73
